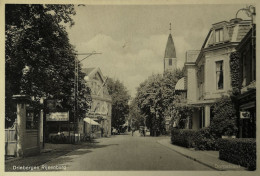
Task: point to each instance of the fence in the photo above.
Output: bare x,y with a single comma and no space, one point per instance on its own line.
11,141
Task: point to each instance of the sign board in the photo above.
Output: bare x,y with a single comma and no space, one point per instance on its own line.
244,115
57,116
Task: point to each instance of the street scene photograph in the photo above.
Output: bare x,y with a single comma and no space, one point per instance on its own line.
130,87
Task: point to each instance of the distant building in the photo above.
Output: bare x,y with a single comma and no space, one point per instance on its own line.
208,70
170,60
101,106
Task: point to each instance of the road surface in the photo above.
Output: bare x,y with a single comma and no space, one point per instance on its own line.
125,153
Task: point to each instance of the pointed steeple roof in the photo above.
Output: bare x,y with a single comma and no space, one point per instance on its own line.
170,49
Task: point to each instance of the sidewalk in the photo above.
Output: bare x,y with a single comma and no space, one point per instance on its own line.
208,158
50,152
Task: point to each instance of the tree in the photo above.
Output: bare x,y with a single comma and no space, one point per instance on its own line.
150,101
120,98
40,60
224,121
170,79
155,96
136,117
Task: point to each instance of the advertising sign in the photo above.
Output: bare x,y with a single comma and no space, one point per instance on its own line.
244,115
57,116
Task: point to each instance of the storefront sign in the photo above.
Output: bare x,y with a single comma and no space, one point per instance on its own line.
244,115
57,116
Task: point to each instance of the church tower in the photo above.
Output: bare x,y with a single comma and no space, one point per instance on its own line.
170,60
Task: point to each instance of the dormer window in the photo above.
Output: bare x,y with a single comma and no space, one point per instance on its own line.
219,35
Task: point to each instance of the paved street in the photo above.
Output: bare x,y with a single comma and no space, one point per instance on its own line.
125,152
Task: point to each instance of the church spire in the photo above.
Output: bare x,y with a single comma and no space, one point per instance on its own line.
170,48
170,60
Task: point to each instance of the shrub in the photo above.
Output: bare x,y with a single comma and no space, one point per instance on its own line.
183,137
235,72
224,121
240,151
205,140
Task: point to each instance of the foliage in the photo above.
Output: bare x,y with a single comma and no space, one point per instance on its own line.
150,102
120,98
205,140
235,72
170,79
135,115
39,58
224,121
199,139
183,137
182,113
240,151
154,98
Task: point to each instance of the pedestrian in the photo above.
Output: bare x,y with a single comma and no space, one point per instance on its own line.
132,132
144,132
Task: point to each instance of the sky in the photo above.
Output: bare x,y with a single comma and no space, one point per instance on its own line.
132,38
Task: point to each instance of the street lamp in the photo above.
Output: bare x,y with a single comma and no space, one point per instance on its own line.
250,11
76,85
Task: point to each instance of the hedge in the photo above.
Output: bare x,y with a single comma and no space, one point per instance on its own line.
200,139
183,137
205,140
240,151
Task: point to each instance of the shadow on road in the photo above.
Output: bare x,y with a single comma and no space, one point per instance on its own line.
63,153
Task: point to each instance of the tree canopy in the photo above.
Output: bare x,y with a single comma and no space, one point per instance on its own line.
120,98
136,118
155,96
39,58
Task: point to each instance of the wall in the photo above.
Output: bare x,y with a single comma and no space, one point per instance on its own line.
31,144
192,90
211,58
170,67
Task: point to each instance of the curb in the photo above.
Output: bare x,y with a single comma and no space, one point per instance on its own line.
192,158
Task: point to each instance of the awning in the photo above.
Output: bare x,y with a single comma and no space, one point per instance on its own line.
90,121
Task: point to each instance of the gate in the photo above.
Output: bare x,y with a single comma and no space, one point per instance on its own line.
11,140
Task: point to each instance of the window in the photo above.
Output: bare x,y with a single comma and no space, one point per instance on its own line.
219,74
219,35
170,61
